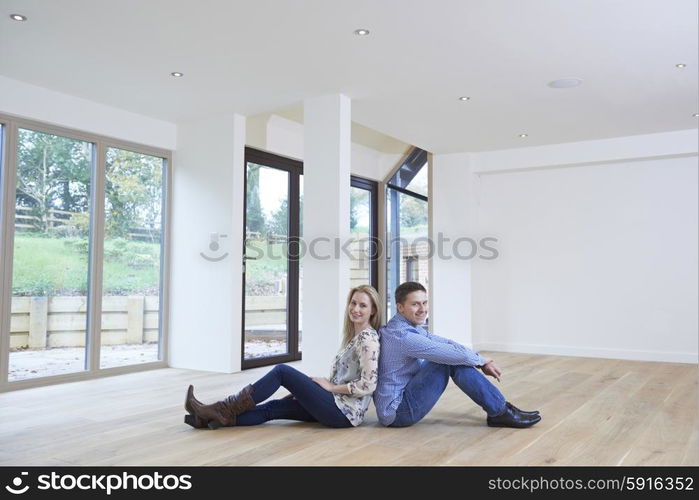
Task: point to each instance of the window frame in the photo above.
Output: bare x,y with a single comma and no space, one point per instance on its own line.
295,171
100,144
373,188
395,185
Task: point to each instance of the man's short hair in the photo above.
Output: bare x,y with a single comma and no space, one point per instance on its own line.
405,289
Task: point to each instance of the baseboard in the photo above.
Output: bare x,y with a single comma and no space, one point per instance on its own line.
589,352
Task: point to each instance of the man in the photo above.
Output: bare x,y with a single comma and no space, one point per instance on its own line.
415,367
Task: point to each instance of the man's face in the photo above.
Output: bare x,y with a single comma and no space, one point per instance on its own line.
415,307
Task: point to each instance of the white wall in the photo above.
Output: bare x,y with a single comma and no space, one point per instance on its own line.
285,137
598,259
452,216
205,312
40,104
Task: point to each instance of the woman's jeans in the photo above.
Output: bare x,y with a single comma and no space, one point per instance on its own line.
426,387
311,403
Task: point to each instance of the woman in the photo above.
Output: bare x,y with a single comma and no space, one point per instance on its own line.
340,401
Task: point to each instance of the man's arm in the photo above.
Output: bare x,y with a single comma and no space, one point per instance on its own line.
439,350
488,366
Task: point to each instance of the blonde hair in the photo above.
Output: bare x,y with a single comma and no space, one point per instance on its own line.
374,319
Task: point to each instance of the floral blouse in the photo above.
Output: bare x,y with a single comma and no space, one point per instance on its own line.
357,366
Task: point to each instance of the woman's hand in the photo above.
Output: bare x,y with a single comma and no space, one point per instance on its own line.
324,383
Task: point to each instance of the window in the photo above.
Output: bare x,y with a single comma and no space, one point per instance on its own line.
50,258
132,264
273,305
83,250
363,230
407,225
272,273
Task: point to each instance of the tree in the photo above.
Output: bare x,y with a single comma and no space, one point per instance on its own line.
133,187
53,172
254,216
413,211
279,223
356,197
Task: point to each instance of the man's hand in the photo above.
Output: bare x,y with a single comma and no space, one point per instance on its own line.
490,368
323,382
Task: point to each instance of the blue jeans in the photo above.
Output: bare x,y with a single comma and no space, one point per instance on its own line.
428,384
311,403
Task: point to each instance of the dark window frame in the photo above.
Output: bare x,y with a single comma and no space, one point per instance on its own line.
373,188
295,170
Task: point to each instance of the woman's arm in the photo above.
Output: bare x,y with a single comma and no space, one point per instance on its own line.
329,386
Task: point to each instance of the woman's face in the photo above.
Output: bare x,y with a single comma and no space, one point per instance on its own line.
360,308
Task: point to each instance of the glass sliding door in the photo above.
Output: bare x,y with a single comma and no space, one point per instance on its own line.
132,263
83,253
48,326
271,267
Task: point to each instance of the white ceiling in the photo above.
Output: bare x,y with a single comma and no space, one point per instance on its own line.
404,79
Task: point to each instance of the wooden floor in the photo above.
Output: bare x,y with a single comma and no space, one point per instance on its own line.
595,411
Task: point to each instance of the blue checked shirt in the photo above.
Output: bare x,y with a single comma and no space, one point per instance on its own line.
403,345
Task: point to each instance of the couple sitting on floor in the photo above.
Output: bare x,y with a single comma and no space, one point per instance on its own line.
406,379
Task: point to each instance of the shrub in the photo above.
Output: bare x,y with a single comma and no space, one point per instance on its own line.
141,248
81,222
64,231
77,245
140,260
114,249
40,287
120,243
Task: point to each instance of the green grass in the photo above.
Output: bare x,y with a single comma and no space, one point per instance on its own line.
270,263
58,266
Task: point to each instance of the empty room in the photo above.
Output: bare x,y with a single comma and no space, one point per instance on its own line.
327,233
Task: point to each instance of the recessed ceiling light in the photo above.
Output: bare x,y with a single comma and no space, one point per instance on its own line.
565,83
464,98
680,65
361,32
176,74
696,115
18,17
523,135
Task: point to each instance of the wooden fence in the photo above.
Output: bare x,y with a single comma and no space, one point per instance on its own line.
24,219
56,218
40,322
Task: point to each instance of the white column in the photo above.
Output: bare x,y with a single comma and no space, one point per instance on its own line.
326,206
205,281
452,222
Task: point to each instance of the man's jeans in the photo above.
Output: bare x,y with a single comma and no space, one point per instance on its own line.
426,387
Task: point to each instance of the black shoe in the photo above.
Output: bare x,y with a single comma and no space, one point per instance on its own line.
530,413
513,418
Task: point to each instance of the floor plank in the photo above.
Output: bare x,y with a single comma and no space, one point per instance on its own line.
594,411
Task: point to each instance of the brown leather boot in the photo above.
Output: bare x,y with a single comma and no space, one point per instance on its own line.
191,418
221,413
